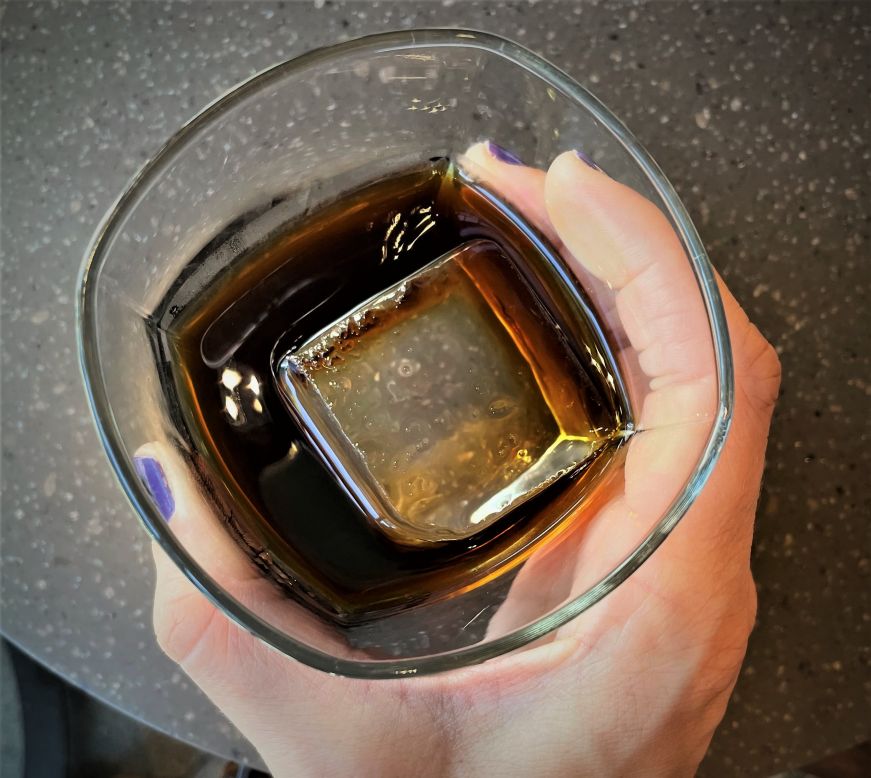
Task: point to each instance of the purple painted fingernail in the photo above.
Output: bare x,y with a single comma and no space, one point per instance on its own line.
503,155
154,480
586,159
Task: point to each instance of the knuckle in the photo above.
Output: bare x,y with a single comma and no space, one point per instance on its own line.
180,629
172,637
169,640
759,369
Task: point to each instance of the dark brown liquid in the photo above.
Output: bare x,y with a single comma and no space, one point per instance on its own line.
280,500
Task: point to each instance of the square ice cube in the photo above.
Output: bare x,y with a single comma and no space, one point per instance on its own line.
445,401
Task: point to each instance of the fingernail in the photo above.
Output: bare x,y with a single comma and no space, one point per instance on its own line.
154,480
586,159
503,155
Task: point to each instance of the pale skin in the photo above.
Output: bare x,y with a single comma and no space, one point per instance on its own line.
636,685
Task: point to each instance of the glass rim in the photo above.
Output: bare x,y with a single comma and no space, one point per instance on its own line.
112,440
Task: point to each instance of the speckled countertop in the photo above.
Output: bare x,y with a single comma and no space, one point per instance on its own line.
759,113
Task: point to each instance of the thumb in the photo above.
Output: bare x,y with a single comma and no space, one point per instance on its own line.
216,652
183,617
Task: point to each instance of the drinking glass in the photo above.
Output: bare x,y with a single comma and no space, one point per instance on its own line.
300,135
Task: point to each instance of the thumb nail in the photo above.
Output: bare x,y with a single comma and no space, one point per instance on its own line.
154,480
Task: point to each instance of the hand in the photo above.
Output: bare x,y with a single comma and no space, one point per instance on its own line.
634,686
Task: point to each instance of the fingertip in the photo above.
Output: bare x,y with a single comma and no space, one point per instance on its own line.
487,152
608,227
503,173
576,165
477,155
573,198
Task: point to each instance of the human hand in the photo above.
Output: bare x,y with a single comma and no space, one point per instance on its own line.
634,686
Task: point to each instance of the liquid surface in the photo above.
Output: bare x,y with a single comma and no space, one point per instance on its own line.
225,335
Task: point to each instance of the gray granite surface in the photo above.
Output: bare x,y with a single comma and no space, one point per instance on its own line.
759,113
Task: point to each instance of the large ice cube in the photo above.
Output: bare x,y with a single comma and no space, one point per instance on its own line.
445,401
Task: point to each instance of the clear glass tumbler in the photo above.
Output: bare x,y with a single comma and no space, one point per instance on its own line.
301,134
